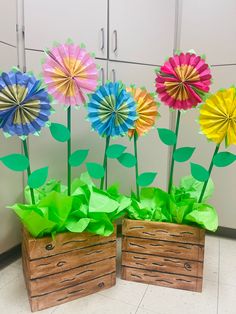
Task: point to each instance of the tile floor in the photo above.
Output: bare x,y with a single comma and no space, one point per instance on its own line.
218,296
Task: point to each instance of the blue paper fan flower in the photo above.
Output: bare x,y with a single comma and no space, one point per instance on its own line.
112,110
24,104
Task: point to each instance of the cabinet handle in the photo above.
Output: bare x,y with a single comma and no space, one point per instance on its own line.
102,39
102,76
115,40
113,73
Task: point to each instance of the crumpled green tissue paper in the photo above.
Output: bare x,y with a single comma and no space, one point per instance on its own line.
180,207
87,209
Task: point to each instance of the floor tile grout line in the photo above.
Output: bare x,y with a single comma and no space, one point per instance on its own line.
141,299
218,288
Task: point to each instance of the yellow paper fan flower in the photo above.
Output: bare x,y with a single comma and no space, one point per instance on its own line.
218,117
147,110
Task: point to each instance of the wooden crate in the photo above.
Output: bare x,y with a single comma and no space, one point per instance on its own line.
71,266
163,254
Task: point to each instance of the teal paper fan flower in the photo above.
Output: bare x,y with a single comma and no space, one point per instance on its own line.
24,104
112,110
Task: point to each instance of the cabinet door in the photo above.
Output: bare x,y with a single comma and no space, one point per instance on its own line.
153,156
209,27
141,31
8,21
45,151
224,198
81,20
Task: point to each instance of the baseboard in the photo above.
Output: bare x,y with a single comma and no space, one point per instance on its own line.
225,232
119,230
10,256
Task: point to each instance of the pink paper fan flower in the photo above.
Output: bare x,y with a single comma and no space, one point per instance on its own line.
70,73
183,80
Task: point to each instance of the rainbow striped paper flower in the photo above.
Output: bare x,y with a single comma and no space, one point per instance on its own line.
24,105
111,110
183,80
147,109
70,73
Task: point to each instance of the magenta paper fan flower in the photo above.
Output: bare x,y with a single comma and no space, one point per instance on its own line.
183,81
70,73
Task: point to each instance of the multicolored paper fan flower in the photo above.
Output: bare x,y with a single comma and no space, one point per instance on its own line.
70,73
147,109
183,80
24,104
218,117
111,110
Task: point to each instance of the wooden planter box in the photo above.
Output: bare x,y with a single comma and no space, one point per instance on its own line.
72,266
163,254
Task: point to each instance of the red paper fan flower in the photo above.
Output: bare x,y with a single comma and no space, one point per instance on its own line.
183,80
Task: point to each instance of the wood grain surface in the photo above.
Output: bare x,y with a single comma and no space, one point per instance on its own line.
163,231
163,254
77,265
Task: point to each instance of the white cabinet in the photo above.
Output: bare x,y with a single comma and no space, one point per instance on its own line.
224,198
141,31
8,21
81,20
209,27
153,156
44,150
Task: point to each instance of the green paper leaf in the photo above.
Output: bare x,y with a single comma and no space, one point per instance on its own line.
15,162
199,173
95,170
59,132
224,159
146,178
38,178
77,225
183,154
115,151
127,160
167,136
78,157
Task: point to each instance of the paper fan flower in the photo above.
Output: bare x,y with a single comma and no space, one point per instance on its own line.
146,109
70,73
111,110
183,80
218,117
24,104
